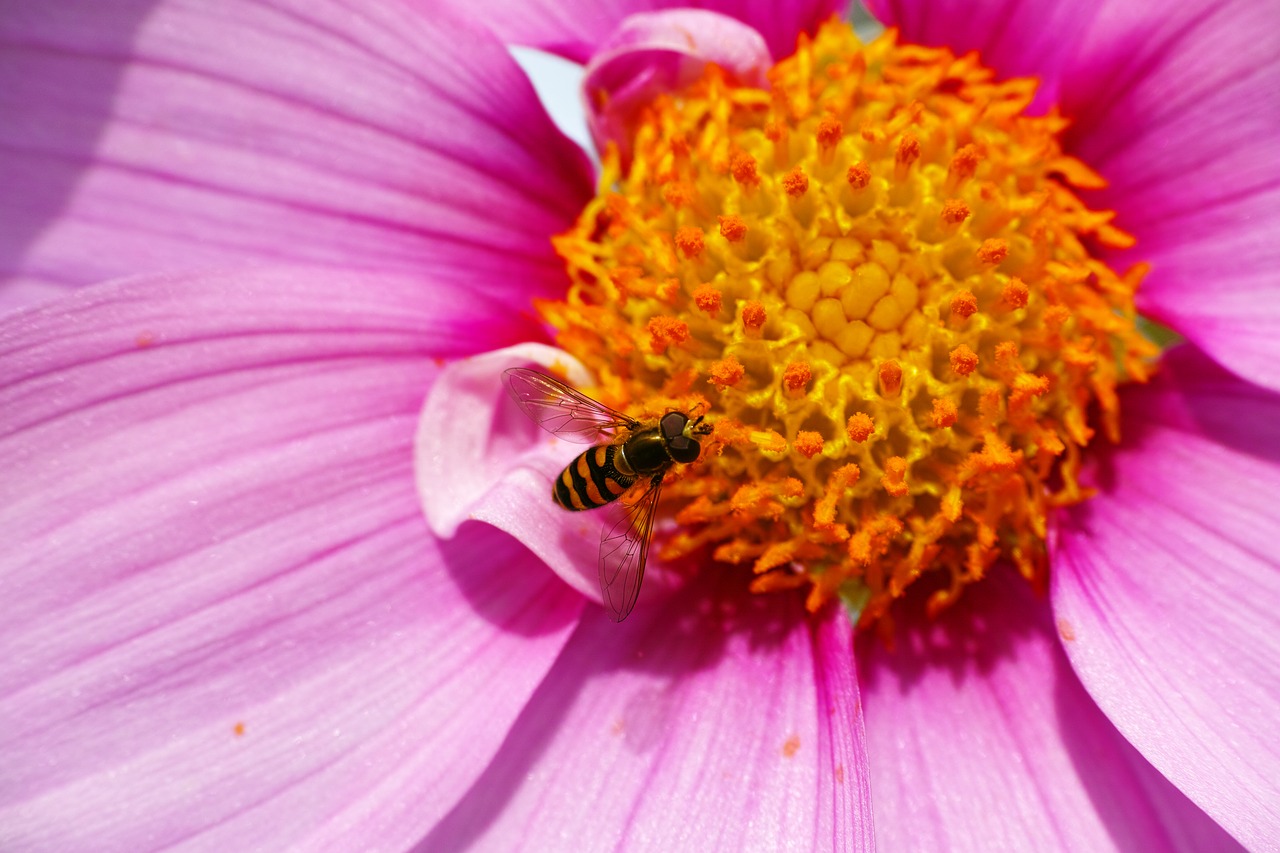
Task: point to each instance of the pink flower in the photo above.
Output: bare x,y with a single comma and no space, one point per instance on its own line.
230,623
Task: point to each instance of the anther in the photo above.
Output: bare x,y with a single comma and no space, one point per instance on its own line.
1007,357
963,165
808,443
894,479
993,251
753,315
824,511
859,175
908,153
963,360
890,378
829,132
795,182
860,427
732,228
796,376
667,330
1015,293
944,413
1056,316
964,304
677,194
690,241
707,298
727,371
743,169
955,211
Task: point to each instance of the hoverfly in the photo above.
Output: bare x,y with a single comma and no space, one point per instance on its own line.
626,452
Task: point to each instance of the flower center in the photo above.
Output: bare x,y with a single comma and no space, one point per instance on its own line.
876,279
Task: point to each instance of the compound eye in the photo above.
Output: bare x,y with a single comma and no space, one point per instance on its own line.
672,425
683,449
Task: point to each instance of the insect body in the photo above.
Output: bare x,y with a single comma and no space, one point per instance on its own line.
605,472
627,453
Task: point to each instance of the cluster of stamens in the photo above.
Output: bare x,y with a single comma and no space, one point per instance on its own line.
877,279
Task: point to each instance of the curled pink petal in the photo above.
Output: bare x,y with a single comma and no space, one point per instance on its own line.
141,136
478,457
227,624
575,28
981,737
657,52
693,725
1167,589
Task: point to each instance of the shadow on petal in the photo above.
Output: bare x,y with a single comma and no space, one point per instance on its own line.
633,680
62,100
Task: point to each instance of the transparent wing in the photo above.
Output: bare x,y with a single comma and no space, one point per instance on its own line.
624,548
561,410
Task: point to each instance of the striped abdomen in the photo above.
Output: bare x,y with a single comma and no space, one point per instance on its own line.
591,480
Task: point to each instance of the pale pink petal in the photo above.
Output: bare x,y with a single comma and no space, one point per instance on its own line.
717,721
575,28
1179,107
139,135
1017,39
657,52
1167,589
477,457
226,622
981,737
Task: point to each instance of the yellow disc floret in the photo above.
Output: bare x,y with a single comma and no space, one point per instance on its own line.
876,278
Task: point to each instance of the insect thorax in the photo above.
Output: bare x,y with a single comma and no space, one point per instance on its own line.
645,453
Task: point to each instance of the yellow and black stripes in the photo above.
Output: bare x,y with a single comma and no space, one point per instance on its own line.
591,480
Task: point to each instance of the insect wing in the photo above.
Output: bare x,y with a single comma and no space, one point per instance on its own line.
624,548
561,410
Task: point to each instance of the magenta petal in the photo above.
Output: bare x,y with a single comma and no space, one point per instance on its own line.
698,725
1022,39
576,28
659,52
981,738
1167,589
226,623
1179,107
140,136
